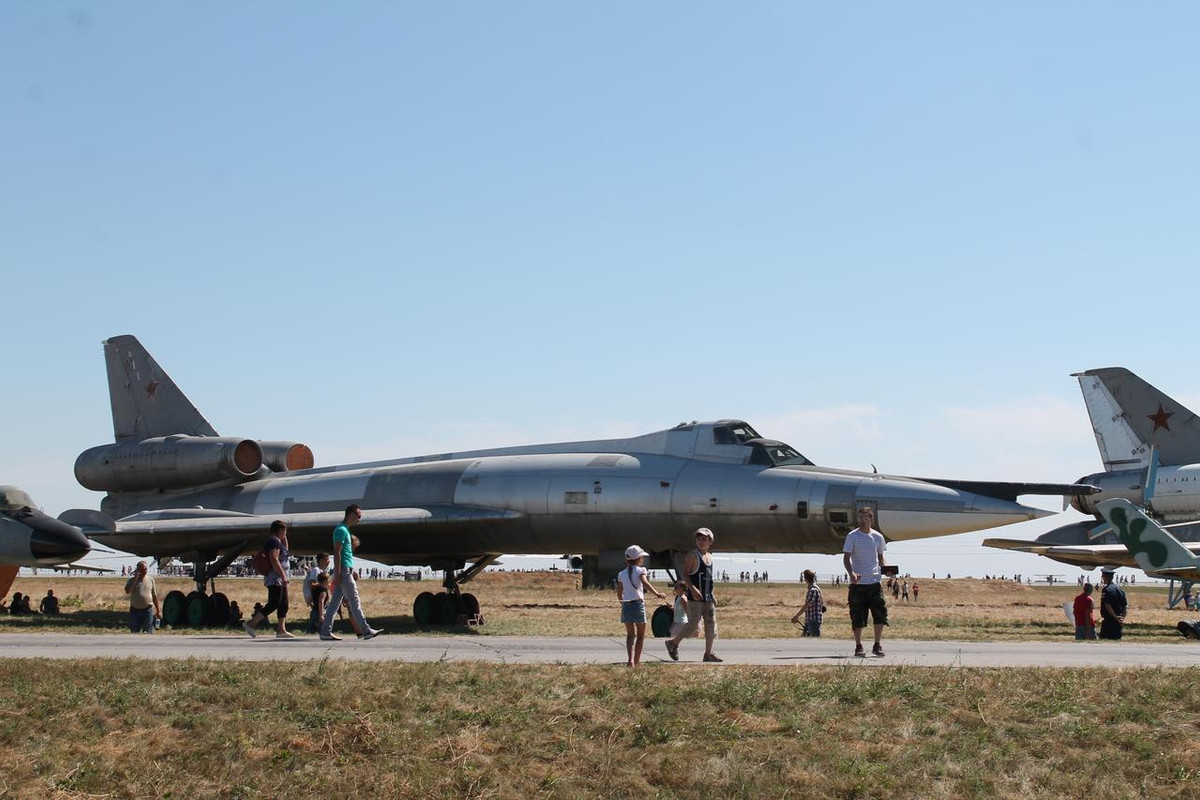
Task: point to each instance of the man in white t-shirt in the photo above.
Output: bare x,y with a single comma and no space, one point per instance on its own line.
863,558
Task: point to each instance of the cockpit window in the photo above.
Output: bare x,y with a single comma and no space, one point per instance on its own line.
14,499
734,433
777,455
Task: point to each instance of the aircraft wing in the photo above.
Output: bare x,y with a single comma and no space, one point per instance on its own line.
1011,491
68,568
383,531
1078,555
1087,556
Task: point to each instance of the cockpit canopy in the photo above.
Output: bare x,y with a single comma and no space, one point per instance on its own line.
14,499
769,453
735,440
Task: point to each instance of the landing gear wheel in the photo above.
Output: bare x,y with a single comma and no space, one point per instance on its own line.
470,606
450,610
174,609
199,609
661,621
423,608
439,600
220,610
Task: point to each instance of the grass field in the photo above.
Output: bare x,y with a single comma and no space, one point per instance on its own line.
128,729
197,729
549,603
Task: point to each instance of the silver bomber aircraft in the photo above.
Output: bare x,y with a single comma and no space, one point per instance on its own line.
177,488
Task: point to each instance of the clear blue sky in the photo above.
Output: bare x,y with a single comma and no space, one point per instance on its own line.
884,233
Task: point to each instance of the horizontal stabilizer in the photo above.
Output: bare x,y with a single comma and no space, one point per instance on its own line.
88,520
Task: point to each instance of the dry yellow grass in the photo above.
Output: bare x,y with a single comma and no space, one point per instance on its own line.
127,729
550,603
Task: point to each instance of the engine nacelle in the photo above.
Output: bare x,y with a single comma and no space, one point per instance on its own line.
167,462
286,456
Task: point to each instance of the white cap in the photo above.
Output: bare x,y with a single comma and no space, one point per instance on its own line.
634,552
704,532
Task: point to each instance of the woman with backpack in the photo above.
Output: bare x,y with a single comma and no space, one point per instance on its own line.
276,581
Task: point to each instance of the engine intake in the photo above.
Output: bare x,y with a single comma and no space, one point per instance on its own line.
168,462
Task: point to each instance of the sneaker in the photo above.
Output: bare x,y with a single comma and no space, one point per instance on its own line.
371,633
858,650
672,650
285,635
248,628
329,637
713,658
877,650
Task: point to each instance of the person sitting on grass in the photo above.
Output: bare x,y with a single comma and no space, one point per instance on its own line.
49,603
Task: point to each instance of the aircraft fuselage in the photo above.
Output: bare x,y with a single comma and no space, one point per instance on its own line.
581,502
1175,496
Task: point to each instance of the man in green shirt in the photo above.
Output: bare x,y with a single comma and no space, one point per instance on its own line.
344,585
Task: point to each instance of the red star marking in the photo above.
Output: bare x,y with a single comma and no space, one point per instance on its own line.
1160,419
152,389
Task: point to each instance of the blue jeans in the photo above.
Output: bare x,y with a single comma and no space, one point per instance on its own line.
141,620
348,589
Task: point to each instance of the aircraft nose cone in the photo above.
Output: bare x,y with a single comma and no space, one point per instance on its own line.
55,542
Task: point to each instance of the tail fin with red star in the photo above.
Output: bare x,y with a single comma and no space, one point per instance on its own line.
1130,418
145,401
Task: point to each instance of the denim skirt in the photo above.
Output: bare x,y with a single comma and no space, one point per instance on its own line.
633,611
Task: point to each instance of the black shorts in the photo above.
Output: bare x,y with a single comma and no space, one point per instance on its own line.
864,596
276,599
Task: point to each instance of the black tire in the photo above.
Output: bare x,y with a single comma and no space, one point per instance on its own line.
661,621
174,609
439,600
470,606
220,610
423,608
199,610
451,609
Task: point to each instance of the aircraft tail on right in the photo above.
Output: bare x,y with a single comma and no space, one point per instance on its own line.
1152,546
1130,417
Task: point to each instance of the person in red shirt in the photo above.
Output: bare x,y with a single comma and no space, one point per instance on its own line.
1085,618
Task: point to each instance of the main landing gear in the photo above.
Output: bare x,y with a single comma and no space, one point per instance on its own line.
451,607
198,609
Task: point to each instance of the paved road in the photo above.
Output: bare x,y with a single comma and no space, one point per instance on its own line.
598,650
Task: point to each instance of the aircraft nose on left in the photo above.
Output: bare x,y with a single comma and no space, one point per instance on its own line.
53,541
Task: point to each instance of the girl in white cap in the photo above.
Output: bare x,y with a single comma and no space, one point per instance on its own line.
631,582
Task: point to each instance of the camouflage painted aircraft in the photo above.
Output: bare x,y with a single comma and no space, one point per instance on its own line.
175,488
1150,447
30,538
